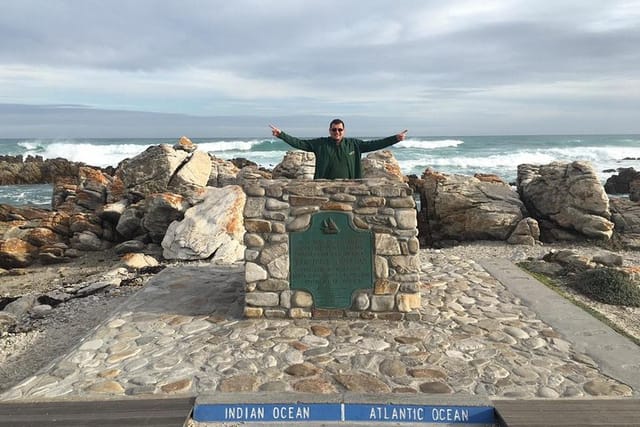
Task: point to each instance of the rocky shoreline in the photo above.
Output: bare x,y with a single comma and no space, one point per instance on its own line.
145,202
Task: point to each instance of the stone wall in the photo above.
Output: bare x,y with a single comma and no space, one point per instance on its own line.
276,208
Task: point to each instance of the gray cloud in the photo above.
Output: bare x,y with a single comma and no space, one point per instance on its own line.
251,58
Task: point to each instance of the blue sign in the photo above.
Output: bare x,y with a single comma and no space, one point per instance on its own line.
296,412
419,413
268,412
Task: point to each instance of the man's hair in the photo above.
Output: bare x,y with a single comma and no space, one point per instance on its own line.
336,122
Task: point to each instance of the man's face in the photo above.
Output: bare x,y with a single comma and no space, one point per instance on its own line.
336,132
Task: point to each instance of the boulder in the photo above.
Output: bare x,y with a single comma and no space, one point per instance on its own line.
65,190
223,172
151,171
16,253
53,168
129,223
11,213
296,165
37,227
211,229
608,259
129,246
88,241
619,183
570,259
58,222
20,307
466,208
566,197
42,236
241,162
634,190
626,216
80,222
161,209
52,254
138,261
527,232
185,144
91,193
193,174
381,164
113,211
116,190
575,261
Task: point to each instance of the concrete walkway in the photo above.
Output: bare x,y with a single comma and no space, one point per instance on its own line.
616,355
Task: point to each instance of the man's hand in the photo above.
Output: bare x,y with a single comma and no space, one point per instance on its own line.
401,136
275,131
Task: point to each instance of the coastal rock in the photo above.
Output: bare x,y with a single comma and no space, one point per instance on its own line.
16,253
296,165
161,209
382,164
92,191
88,241
52,255
116,190
21,213
467,208
21,306
527,232
64,193
34,170
185,144
565,198
212,228
570,259
626,216
41,237
129,223
93,209
81,222
223,173
152,170
193,174
42,233
129,246
619,183
634,190
137,261
113,211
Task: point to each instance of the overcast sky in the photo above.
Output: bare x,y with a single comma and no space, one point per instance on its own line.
228,68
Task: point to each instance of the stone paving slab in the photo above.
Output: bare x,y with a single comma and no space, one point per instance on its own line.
183,334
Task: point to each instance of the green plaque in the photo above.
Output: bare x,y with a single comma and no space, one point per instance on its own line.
331,259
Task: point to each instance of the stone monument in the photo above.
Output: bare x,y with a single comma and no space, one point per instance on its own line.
331,249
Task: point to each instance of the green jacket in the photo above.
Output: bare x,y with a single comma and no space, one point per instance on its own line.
333,161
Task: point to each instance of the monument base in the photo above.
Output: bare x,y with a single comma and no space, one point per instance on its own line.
331,249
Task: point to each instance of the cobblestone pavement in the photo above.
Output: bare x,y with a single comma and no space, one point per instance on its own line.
184,334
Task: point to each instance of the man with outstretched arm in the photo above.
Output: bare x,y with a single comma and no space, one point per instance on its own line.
337,157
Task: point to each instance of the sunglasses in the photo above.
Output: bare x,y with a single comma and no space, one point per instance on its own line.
336,129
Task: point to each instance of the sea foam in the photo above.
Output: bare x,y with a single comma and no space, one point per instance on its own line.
428,144
86,152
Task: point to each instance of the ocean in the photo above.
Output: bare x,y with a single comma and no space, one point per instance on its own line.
465,155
